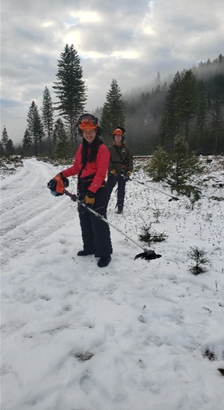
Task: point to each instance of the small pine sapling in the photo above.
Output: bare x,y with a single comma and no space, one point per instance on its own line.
185,167
200,259
158,166
178,169
148,235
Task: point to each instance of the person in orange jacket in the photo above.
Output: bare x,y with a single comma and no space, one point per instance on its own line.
91,164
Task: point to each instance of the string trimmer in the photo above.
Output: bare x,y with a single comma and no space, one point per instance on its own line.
147,254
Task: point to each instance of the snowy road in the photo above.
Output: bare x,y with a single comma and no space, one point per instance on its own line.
136,335
27,213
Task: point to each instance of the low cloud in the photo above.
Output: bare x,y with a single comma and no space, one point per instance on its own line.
128,41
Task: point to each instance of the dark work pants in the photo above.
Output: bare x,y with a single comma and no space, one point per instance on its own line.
121,182
95,232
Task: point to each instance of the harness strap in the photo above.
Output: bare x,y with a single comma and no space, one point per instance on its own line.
85,182
123,161
87,178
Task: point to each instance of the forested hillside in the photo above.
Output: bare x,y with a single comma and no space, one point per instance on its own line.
191,105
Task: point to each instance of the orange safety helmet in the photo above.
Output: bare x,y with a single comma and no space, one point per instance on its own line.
88,122
119,131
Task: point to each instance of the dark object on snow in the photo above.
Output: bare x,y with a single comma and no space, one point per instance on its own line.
148,255
83,357
221,371
174,198
209,355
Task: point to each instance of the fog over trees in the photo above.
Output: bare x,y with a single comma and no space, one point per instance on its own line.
189,103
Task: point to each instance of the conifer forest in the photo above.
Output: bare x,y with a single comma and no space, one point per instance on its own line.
189,104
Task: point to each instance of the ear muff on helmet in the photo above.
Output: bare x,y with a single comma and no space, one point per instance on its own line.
88,122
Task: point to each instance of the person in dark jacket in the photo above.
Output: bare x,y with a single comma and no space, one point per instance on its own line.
120,167
91,165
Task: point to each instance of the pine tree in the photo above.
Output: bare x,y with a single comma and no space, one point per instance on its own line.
186,102
27,143
9,149
63,147
158,79
217,113
61,141
97,112
57,131
169,123
185,165
106,122
47,116
2,151
113,113
176,168
217,124
70,90
201,116
199,256
35,127
5,137
158,165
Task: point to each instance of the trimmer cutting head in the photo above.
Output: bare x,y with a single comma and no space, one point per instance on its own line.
148,255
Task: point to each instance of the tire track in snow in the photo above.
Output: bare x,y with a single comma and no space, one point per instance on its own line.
25,212
25,183
29,214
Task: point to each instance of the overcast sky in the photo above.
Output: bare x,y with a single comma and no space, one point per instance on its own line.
129,40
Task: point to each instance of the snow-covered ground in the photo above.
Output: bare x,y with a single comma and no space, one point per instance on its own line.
135,335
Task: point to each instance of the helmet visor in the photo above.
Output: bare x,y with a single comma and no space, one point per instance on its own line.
118,132
87,125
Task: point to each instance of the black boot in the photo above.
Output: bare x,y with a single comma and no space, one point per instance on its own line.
84,253
119,211
103,262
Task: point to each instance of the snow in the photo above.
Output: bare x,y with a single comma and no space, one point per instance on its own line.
135,335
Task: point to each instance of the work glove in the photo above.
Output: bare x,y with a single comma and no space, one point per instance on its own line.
89,199
127,176
64,179
113,172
